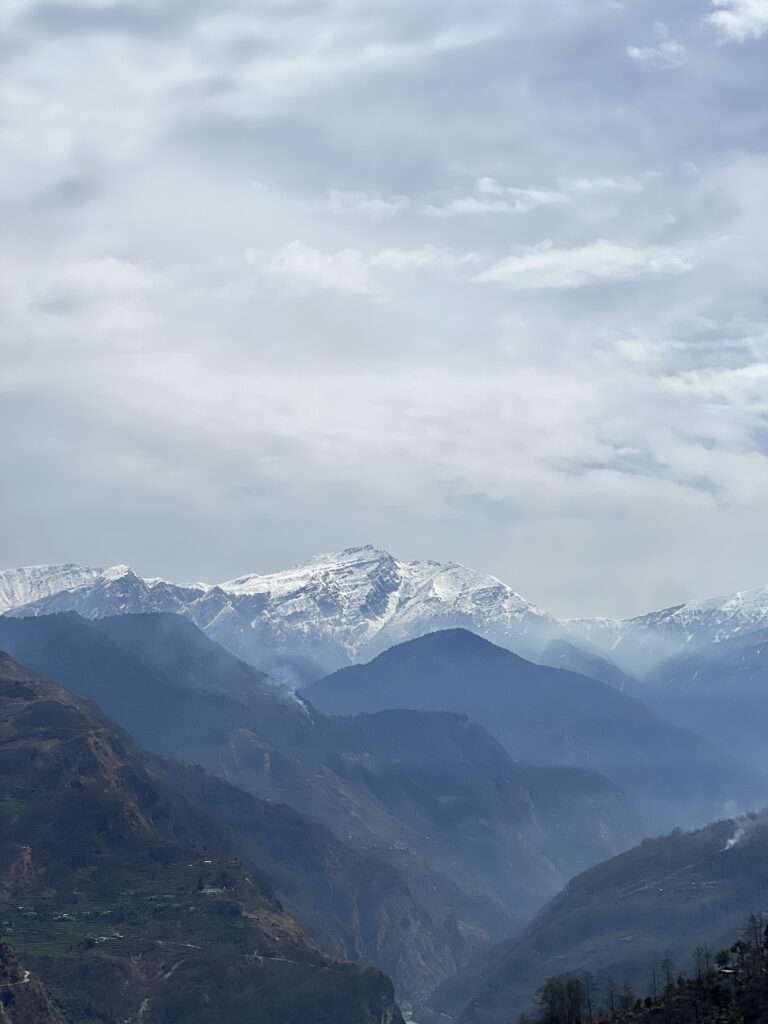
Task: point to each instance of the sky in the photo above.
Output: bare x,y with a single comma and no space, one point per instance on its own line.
472,280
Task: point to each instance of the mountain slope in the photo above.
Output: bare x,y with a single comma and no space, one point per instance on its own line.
722,690
176,650
572,658
352,903
621,919
173,717
122,898
545,715
23,1000
163,714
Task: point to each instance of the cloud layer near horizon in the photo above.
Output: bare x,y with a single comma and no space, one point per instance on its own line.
473,281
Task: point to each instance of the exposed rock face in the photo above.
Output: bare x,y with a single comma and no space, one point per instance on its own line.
127,902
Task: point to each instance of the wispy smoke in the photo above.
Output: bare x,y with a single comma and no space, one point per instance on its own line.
736,838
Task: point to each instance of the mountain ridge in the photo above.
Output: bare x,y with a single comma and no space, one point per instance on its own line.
342,607
549,715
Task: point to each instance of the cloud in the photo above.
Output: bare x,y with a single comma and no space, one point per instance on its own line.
666,56
740,20
303,267
374,208
549,267
597,185
428,257
137,18
491,197
177,406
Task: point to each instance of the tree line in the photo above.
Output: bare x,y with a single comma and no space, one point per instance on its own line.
729,988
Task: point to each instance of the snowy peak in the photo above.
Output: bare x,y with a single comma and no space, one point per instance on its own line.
98,593
640,644
116,572
31,583
362,593
353,563
743,608
712,621
336,608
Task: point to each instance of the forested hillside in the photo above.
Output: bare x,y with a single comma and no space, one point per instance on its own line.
730,987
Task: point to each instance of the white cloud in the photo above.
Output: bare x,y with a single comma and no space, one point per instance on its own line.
371,207
547,266
740,20
140,351
744,386
332,54
590,186
667,56
491,197
349,271
303,267
428,257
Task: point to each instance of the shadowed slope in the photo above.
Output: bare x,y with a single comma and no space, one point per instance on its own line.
546,715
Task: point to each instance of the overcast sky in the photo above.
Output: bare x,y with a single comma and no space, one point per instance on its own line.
481,280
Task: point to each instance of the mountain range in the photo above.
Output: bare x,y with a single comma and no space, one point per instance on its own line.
443,843
349,606
308,620
546,715
393,762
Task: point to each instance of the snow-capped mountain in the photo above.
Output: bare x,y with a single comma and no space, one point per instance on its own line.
334,610
715,620
641,643
349,606
366,599
23,586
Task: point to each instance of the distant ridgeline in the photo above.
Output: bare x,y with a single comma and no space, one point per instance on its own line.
729,988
